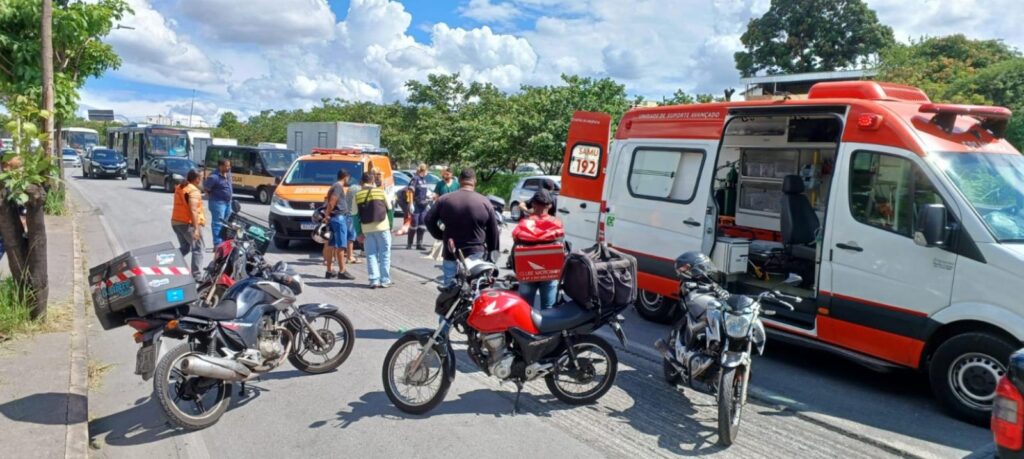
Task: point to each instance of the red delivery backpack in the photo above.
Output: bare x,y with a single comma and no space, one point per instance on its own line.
539,252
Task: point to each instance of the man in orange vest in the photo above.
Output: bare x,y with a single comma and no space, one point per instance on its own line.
188,219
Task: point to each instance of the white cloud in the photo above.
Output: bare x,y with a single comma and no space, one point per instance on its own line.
153,52
974,18
486,12
264,22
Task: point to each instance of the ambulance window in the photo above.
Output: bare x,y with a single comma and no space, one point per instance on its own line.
663,174
887,191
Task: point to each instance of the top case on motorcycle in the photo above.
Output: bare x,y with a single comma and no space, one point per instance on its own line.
565,316
224,310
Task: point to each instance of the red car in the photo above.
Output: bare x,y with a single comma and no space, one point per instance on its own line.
1008,410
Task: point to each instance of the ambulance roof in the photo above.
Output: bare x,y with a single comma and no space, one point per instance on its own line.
880,113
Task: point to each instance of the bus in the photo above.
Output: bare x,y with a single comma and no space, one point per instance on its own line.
79,139
139,143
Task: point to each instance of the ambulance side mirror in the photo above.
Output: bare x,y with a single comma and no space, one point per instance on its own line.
931,230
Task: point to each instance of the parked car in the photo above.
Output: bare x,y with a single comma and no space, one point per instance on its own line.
70,158
166,172
104,162
529,169
6,143
525,189
1008,410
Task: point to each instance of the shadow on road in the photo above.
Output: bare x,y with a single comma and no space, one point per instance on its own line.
377,333
141,424
48,408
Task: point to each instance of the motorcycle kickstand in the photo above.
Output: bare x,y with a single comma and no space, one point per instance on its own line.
519,391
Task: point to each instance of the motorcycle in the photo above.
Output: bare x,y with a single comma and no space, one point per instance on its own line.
506,339
237,257
709,348
254,327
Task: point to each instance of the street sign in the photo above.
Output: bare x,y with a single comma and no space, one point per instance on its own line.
101,115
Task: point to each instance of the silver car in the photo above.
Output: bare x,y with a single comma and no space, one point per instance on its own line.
525,189
70,158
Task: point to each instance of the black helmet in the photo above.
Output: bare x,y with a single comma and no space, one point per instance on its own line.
694,265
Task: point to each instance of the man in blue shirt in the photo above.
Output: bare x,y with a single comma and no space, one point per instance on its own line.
218,187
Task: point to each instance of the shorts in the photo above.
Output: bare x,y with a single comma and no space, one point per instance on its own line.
341,231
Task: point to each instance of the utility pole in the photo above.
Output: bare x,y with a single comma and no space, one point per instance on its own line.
190,107
46,33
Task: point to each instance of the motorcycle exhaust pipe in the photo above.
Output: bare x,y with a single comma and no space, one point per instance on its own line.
214,368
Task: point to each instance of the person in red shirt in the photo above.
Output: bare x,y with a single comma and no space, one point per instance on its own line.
539,226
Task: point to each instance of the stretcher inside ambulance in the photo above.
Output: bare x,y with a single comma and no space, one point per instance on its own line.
905,219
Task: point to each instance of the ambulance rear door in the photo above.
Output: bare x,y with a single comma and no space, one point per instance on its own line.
583,177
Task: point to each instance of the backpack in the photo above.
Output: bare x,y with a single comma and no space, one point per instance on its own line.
600,278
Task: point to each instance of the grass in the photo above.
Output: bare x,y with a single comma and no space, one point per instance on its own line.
97,370
56,202
15,308
499,185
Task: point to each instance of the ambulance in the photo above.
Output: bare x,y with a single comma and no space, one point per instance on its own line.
307,181
905,219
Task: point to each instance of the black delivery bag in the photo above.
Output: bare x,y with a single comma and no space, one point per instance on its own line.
600,278
140,282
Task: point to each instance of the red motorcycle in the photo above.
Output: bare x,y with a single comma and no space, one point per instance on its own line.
239,256
507,339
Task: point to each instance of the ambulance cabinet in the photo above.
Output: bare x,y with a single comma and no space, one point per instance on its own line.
730,255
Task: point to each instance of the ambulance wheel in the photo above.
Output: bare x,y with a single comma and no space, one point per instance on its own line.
263,195
654,307
964,371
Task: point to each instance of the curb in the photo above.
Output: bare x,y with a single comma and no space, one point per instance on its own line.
76,443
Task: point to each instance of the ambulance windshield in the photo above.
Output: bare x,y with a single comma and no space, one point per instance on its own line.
993,184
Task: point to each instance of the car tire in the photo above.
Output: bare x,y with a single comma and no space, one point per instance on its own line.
145,182
124,176
168,187
263,195
964,371
654,307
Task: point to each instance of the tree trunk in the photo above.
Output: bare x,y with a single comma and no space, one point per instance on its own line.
46,33
13,234
36,256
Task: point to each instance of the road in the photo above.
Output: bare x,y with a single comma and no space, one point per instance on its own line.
806,403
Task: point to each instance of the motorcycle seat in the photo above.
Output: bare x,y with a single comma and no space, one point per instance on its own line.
561,317
224,310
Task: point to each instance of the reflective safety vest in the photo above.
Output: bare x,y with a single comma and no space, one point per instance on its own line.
182,213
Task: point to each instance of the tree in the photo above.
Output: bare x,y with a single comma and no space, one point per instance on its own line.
46,59
798,36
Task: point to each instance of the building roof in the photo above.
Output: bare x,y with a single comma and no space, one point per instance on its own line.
812,76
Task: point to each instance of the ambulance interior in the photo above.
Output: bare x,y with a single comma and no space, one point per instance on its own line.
772,182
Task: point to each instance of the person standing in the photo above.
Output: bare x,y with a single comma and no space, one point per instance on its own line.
188,218
446,185
375,215
350,194
420,205
337,214
218,188
539,227
469,222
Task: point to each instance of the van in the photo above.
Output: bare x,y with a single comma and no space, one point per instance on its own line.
307,181
254,171
903,216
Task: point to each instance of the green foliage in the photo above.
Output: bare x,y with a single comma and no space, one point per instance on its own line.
499,185
797,36
78,52
56,202
36,168
956,69
16,302
99,126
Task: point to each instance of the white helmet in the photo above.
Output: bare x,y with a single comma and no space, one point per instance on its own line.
322,233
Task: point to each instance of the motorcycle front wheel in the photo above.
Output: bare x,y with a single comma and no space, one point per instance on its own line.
190,402
588,378
732,389
415,391
338,336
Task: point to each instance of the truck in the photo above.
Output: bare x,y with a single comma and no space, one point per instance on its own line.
903,217
200,140
304,137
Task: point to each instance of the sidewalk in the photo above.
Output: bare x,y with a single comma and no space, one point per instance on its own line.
43,377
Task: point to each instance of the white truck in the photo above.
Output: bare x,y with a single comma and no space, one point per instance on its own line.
304,137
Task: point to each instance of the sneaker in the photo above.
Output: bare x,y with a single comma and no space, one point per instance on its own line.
386,284
374,286
420,247
344,275
329,275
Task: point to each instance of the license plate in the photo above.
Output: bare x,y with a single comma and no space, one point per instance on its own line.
145,360
307,226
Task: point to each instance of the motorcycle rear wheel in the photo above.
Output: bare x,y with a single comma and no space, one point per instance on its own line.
591,352
432,368
731,391
171,385
342,341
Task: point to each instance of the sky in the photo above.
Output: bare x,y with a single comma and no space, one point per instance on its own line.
245,56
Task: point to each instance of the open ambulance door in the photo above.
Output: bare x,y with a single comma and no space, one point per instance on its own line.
583,174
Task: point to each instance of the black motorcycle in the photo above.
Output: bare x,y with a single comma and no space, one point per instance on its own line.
250,331
709,348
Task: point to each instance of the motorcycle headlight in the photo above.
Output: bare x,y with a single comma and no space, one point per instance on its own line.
737,325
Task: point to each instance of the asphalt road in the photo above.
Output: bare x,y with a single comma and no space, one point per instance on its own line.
806,403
